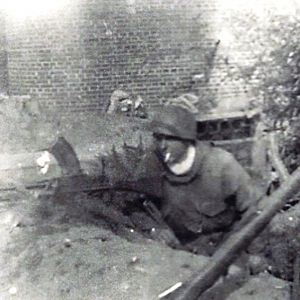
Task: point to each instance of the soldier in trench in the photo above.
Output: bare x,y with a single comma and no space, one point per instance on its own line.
206,192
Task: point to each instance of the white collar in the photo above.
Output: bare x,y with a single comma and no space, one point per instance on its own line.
186,164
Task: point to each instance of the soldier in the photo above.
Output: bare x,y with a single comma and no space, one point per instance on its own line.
205,190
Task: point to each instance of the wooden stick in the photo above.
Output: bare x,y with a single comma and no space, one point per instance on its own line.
276,160
233,246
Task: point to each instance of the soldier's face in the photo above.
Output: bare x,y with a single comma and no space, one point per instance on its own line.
171,150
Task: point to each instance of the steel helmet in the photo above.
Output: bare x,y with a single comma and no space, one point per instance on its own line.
174,121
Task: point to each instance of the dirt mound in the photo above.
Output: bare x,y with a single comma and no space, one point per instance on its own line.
50,252
283,242
86,247
262,287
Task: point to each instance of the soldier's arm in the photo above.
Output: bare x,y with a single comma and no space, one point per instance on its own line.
237,182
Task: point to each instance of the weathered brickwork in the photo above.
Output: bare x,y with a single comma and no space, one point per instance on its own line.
3,57
75,57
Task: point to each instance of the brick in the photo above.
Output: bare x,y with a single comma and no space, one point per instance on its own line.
93,47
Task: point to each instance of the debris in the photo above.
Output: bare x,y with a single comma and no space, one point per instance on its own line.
262,287
142,270
198,77
270,268
170,290
44,162
125,286
17,224
257,264
13,290
134,260
67,243
234,270
296,279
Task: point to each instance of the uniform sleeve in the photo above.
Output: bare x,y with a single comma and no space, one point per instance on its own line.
237,182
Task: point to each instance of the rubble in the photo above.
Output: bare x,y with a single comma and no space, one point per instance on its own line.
93,246
283,242
262,287
65,251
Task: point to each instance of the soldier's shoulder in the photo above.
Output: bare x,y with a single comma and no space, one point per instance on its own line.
218,154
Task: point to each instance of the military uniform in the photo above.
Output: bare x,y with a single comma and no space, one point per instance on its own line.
204,202
209,199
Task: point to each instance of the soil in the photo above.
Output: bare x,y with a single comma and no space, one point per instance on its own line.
99,246
93,247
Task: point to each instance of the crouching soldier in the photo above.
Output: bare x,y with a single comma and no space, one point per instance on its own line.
205,190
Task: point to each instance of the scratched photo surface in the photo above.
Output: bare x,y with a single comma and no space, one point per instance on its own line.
149,149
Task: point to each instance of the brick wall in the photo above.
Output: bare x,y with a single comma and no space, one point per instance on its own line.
76,57
73,59
3,57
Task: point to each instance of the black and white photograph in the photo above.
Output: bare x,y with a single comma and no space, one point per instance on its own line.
150,149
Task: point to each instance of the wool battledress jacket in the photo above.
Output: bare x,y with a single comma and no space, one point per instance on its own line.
208,199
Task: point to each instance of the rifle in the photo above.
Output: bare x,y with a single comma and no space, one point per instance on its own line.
74,178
